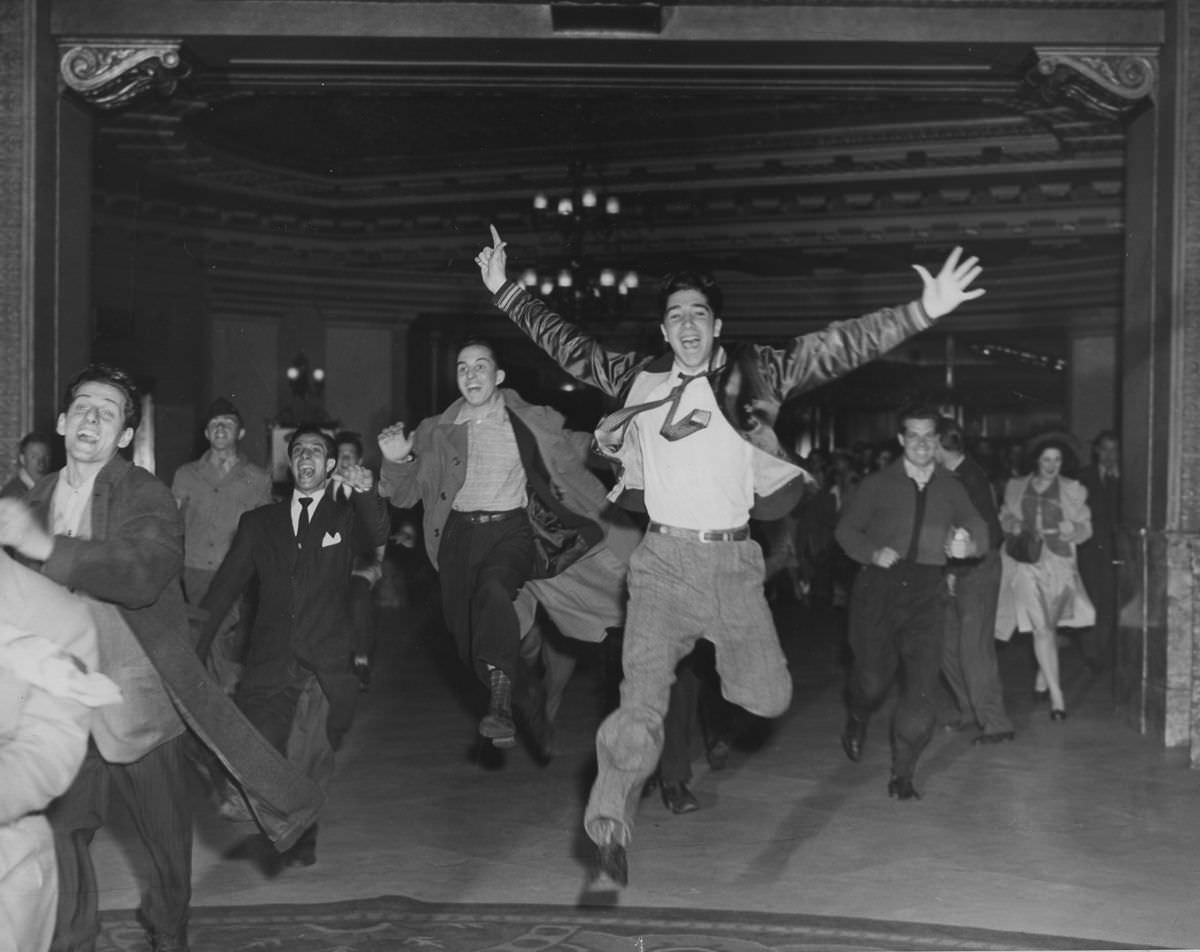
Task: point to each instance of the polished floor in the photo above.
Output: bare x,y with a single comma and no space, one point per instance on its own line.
1081,828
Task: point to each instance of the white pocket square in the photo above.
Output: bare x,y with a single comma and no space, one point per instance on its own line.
328,540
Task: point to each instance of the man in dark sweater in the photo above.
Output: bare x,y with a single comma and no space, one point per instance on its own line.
969,648
901,524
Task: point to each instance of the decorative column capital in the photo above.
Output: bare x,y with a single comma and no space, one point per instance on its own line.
110,74
1107,82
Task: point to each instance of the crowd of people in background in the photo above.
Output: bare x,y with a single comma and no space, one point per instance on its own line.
229,624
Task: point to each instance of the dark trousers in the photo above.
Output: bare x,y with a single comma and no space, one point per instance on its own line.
896,618
156,792
696,709
1095,560
272,710
680,724
481,567
969,649
361,606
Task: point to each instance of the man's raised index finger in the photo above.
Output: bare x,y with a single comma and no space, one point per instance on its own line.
496,242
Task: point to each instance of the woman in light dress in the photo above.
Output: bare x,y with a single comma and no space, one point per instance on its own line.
1043,596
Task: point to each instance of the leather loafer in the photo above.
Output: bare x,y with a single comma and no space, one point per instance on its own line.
853,737
677,798
613,864
902,789
997,738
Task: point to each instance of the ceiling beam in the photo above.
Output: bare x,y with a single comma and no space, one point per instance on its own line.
1096,22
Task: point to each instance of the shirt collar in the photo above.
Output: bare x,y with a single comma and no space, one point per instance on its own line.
916,475
225,468
492,412
315,497
715,362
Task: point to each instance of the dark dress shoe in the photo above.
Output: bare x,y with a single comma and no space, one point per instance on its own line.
997,738
1058,714
853,737
718,754
529,710
302,854
902,789
162,943
614,866
304,851
677,798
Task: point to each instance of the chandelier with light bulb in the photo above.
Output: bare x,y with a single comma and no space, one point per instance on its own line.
578,284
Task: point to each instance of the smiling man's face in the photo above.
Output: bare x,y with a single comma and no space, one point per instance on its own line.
311,463
478,375
93,428
690,328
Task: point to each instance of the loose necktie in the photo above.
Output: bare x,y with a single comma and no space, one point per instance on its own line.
302,524
614,424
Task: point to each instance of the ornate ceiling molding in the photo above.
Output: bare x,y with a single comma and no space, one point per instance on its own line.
110,74
1108,83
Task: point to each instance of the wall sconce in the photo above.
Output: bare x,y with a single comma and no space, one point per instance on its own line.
303,379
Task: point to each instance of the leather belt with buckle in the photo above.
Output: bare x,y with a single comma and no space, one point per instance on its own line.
481,517
702,535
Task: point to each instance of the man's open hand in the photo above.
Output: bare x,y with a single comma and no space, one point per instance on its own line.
394,443
950,288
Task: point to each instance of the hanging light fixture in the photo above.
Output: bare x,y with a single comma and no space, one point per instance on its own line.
578,285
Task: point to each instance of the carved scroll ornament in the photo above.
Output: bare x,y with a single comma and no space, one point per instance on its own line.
108,75
1108,83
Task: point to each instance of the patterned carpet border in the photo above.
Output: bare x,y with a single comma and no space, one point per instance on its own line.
398,923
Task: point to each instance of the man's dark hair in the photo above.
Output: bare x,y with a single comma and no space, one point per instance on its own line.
700,281
114,377
349,436
308,429
34,437
950,435
486,345
917,411
1105,435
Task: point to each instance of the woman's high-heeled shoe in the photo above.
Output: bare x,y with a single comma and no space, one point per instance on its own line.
1040,696
1058,714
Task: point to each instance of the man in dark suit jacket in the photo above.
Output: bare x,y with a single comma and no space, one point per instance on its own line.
1102,479
297,663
